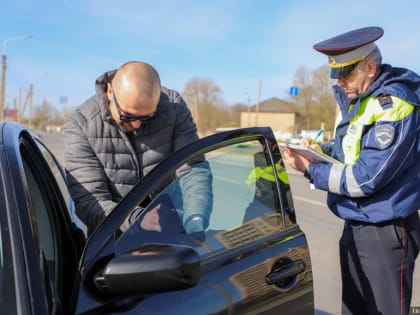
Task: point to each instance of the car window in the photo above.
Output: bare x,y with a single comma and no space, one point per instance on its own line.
57,240
40,215
55,169
240,200
59,176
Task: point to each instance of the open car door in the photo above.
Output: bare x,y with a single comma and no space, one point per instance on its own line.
150,257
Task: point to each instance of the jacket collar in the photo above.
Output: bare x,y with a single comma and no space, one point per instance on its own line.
399,82
101,95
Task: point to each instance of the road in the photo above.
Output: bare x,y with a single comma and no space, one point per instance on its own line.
322,229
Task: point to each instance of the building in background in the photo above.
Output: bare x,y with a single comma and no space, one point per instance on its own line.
275,113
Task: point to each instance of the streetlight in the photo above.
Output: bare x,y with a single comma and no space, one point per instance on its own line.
3,71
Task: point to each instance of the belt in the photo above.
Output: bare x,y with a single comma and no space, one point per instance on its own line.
355,223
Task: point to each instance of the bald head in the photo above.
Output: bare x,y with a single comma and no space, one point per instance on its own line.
138,80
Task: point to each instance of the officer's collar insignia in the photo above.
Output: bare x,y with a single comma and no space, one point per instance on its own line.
353,129
384,135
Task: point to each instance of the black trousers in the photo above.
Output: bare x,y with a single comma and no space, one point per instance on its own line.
377,265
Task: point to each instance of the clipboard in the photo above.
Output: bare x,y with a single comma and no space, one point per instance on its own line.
311,154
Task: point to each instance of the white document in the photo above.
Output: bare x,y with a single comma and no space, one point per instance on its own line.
311,154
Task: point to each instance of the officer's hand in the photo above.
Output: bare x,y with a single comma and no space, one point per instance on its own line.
295,160
309,142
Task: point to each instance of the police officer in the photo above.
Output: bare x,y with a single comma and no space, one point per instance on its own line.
377,188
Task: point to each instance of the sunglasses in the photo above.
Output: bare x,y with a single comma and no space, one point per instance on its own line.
127,117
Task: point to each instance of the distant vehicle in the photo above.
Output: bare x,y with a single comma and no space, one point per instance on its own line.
254,258
296,140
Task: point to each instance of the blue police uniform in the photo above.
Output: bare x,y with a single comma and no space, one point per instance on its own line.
376,189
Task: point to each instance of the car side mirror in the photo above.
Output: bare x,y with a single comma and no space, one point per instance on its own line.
151,268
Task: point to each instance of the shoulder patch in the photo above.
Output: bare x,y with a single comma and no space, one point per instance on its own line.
385,101
384,135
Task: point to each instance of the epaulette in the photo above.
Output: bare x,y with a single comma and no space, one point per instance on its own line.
385,101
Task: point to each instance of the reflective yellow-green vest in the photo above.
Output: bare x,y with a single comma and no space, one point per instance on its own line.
370,112
267,174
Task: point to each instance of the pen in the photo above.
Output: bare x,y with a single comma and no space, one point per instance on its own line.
320,132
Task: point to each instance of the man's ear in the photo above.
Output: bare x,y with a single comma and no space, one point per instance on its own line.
371,68
109,91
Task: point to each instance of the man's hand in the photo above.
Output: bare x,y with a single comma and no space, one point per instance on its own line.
150,222
195,229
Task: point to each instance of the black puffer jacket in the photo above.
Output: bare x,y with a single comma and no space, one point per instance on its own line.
103,165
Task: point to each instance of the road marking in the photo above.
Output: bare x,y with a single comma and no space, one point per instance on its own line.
318,203
296,197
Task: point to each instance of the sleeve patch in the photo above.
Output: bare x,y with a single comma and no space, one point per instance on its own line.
384,135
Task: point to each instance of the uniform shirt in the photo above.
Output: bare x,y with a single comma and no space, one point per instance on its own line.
378,139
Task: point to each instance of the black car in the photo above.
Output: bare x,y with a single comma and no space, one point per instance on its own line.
252,259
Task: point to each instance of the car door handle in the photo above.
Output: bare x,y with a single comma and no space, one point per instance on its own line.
285,271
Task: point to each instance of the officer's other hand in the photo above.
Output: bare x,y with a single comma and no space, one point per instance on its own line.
309,142
295,160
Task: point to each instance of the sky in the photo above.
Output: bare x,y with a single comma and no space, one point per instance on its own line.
240,45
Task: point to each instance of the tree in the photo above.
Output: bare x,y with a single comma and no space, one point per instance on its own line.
46,114
315,101
236,111
206,104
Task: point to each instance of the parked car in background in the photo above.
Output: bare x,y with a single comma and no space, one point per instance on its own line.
252,259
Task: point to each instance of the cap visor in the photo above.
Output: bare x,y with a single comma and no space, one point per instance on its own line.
334,73
337,73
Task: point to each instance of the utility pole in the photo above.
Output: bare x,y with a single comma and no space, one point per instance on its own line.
3,73
28,101
249,112
257,106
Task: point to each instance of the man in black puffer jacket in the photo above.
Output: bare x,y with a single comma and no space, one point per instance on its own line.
120,134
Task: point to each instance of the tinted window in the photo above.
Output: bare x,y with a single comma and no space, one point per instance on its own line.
41,210
59,176
241,202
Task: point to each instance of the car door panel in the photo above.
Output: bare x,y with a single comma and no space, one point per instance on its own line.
237,284
252,237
